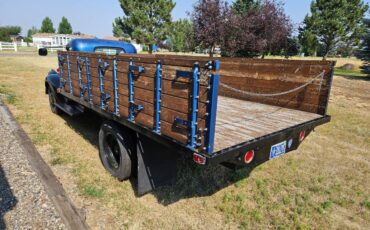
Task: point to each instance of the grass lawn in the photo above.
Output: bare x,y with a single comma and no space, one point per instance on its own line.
323,185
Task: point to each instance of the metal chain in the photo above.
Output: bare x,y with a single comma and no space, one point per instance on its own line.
321,75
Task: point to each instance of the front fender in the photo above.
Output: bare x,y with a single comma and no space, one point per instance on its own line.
52,80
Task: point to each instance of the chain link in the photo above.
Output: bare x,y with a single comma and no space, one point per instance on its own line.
321,75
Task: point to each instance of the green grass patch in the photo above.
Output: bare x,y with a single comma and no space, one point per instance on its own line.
352,73
56,161
93,191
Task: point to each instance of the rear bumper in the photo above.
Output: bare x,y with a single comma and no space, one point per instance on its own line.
262,145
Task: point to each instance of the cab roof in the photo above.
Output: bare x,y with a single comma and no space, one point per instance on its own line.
89,45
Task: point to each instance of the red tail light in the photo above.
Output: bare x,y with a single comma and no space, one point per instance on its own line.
302,135
200,160
249,156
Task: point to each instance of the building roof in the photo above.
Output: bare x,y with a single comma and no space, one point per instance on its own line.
48,35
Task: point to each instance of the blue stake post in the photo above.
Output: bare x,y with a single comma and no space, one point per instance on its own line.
79,68
132,106
115,85
192,124
60,63
69,75
212,108
130,92
158,90
194,107
89,94
101,84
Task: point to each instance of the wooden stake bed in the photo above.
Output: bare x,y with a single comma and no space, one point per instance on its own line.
202,104
239,121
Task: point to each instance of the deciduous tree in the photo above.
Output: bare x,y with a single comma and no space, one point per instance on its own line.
181,36
6,31
209,18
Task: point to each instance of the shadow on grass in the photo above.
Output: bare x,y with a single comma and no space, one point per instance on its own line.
354,77
192,180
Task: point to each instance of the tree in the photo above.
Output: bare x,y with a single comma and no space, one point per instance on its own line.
292,47
307,37
64,26
332,21
208,19
262,29
145,21
364,51
6,31
244,6
181,36
47,26
33,30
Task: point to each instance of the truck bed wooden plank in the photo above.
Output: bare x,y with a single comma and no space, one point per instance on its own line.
239,121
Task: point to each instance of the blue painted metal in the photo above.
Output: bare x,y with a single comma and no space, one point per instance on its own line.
60,63
183,122
89,45
186,74
69,75
89,93
192,124
115,85
79,68
132,106
157,99
194,107
103,66
212,109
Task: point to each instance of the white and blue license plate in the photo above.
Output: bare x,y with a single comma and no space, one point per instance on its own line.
278,150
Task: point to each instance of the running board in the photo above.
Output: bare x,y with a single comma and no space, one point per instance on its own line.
71,110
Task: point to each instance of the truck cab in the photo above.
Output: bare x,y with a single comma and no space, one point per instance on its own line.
98,46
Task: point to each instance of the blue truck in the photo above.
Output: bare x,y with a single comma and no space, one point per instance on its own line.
236,112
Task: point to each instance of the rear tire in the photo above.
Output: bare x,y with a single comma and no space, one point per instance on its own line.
53,99
116,150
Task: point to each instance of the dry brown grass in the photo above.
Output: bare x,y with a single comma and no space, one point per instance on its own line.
325,184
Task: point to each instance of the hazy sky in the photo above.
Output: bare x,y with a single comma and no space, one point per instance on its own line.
95,17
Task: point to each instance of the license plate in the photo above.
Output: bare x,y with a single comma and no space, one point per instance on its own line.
277,150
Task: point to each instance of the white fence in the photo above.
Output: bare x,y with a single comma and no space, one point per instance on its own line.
8,46
50,48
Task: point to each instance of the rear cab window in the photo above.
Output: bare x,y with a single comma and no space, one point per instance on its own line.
109,50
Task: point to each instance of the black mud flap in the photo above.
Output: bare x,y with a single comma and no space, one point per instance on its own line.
157,165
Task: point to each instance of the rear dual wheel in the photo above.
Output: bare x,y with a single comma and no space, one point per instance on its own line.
116,150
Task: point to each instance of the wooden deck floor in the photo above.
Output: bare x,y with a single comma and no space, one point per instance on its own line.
239,121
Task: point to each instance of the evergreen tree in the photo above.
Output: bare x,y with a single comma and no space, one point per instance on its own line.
32,31
307,37
244,6
47,26
146,21
364,52
332,21
64,26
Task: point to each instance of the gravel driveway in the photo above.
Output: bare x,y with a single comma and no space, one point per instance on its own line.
24,203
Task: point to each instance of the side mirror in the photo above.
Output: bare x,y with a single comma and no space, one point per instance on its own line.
43,52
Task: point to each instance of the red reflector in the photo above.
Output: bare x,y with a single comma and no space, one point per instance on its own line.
201,160
248,157
58,70
302,135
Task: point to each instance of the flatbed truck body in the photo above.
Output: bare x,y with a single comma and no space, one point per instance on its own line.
230,111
